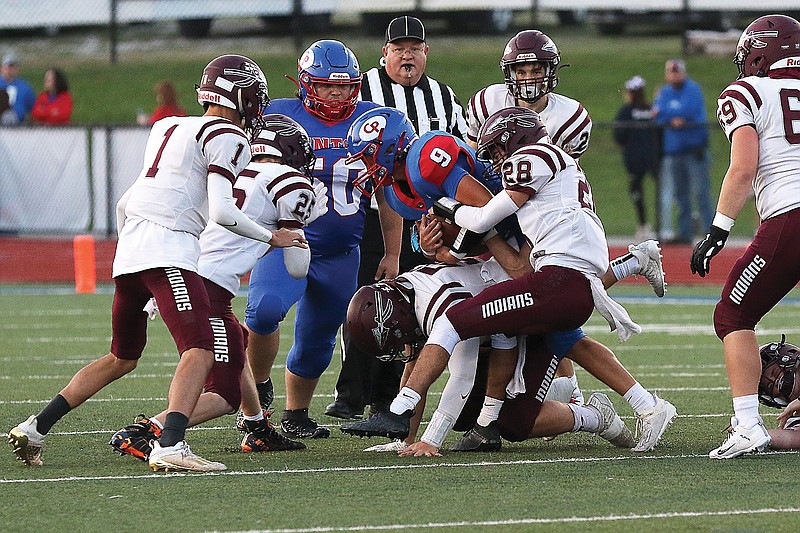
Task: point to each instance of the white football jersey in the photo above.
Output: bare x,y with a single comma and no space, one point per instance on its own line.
437,287
559,218
168,204
567,122
772,106
273,195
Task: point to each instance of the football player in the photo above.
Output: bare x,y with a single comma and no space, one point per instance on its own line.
758,113
402,312
190,164
275,190
417,172
329,79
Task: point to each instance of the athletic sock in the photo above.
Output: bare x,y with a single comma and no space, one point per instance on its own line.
490,411
639,398
624,266
585,418
52,413
174,429
745,408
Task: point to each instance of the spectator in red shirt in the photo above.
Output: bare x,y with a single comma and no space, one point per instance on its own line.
167,99
54,104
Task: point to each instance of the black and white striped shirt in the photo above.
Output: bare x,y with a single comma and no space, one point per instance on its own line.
429,105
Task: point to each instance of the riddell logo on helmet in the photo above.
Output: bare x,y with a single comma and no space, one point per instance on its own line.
336,76
207,96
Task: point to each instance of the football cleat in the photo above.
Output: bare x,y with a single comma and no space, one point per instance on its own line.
179,458
266,439
381,424
304,428
652,424
136,438
749,438
479,439
650,266
612,428
394,446
241,422
27,442
340,409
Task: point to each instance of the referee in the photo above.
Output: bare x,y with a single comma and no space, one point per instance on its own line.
399,82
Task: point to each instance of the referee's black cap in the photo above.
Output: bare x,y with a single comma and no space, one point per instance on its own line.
405,28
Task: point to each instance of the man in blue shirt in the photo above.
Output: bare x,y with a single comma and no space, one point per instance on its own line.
20,94
680,109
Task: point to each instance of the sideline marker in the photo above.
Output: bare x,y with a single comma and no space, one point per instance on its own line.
85,267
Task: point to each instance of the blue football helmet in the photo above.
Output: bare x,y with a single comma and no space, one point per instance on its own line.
332,63
380,138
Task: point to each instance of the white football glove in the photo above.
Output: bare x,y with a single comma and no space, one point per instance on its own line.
320,202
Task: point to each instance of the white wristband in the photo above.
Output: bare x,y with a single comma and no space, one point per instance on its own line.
723,221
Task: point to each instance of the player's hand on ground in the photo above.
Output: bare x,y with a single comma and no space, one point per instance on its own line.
283,238
790,411
419,449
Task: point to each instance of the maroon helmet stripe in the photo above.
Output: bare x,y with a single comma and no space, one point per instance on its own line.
751,90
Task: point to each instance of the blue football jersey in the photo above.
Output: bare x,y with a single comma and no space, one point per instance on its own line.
341,228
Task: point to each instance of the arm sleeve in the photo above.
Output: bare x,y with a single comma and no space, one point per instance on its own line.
482,219
297,259
222,210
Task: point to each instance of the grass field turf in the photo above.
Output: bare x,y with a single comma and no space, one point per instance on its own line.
574,483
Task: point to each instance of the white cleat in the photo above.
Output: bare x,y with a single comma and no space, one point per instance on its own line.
179,458
27,442
394,446
649,255
749,438
652,424
612,428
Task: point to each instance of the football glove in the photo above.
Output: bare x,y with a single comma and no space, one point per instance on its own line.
704,250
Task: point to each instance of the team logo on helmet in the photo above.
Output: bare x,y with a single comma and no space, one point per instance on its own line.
383,312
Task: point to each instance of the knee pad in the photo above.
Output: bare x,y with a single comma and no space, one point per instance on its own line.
310,362
264,316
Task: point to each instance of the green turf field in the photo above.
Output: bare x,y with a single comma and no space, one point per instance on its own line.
574,483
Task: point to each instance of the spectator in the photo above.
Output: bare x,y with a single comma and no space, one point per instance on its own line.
637,136
399,82
680,108
7,115
54,104
167,99
20,93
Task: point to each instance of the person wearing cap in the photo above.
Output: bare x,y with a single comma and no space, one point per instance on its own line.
400,82
681,110
637,135
20,93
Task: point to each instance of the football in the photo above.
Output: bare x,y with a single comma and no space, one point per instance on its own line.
459,240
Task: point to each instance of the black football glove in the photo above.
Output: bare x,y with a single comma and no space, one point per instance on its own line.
708,248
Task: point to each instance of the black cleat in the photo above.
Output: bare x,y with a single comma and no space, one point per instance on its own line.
267,439
479,439
304,428
381,424
136,439
340,409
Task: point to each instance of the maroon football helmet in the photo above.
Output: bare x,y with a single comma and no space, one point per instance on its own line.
508,130
236,82
780,373
381,321
283,137
527,47
768,43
